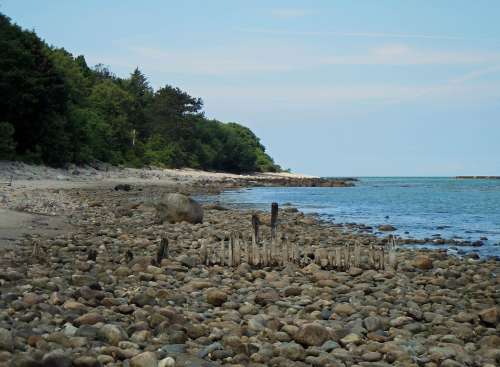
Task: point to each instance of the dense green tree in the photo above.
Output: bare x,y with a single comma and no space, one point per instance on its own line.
7,142
142,93
60,111
112,125
33,94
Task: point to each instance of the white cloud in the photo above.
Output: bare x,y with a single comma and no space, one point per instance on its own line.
401,54
281,32
458,85
272,58
345,94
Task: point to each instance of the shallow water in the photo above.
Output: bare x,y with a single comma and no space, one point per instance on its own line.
421,207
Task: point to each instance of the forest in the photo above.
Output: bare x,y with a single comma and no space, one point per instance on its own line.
55,109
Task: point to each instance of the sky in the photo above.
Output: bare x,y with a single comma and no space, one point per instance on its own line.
332,87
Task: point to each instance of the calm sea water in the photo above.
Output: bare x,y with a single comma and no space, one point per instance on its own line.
421,207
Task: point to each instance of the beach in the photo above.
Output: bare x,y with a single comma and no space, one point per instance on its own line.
83,283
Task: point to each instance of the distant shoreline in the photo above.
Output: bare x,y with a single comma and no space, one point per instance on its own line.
478,177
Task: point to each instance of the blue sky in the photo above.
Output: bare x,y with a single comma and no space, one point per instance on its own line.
332,87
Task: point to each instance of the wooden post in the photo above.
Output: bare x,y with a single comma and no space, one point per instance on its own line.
255,227
274,220
213,254
330,259
286,255
162,252
222,251
255,239
382,258
203,252
337,257
92,255
237,252
230,257
392,253
265,249
248,252
317,259
308,250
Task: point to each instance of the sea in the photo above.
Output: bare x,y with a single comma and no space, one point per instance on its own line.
419,207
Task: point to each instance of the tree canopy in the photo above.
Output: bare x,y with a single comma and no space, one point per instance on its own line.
55,109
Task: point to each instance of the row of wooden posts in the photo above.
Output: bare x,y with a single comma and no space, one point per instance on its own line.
279,251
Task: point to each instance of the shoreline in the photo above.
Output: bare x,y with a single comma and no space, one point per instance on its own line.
60,301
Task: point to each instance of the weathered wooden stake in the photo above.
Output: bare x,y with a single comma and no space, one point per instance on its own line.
307,250
203,252
265,250
337,258
330,259
392,253
237,250
162,252
317,259
230,258
92,255
255,227
248,252
382,258
357,255
274,220
222,252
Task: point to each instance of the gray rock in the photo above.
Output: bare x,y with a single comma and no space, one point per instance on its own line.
111,334
56,358
216,297
292,351
6,340
329,345
386,228
174,208
209,349
372,323
312,335
146,359
86,361
490,316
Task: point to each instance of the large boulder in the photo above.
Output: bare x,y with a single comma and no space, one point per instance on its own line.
490,316
312,335
423,262
175,208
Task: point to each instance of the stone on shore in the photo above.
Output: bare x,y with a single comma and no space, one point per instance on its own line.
175,208
423,262
312,335
490,316
146,359
216,297
386,228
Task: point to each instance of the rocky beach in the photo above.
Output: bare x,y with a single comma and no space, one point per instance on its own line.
82,283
